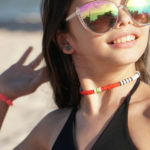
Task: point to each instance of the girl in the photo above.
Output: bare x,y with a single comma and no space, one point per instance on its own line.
96,53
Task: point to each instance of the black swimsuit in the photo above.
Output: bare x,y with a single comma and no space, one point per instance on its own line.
114,137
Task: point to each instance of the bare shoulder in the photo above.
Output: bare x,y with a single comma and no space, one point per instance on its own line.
146,102
45,133
139,116
140,105
51,125
141,101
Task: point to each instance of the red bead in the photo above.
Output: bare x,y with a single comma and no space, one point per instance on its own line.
108,87
9,102
87,92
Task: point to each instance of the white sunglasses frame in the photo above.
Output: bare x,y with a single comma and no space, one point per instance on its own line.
122,6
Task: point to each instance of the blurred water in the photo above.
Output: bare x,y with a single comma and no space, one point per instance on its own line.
11,10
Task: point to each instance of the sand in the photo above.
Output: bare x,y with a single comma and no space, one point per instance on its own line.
27,111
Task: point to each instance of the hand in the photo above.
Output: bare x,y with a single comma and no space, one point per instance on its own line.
19,80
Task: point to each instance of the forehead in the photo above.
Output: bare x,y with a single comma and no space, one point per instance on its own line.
78,3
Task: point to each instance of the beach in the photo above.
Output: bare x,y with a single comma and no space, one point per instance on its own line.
26,111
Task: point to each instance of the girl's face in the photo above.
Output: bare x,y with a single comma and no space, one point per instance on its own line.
89,47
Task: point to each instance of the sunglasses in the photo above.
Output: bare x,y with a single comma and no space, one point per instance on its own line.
100,16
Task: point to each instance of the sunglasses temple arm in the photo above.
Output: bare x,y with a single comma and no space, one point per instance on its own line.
71,16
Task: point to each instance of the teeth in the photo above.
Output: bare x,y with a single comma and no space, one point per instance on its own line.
125,39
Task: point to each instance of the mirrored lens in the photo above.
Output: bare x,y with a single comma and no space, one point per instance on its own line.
139,10
99,16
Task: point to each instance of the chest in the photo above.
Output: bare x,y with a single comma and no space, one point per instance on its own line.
113,131
121,129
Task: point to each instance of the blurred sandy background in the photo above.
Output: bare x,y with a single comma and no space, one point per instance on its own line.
20,27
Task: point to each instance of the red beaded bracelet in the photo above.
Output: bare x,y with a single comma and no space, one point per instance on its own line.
5,99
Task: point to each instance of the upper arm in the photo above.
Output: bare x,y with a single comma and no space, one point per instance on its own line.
43,136
31,142
36,139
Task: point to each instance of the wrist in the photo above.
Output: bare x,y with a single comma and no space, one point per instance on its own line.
4,91
5,99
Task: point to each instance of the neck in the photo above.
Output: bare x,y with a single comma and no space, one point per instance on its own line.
96,103
91,78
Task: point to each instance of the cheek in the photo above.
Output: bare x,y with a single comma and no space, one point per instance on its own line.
144,35
91,47
81,35
143,40
85,42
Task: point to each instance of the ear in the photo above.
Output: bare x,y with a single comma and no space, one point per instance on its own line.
63,42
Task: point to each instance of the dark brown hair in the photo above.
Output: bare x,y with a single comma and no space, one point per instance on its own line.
61,70
62,74
142,64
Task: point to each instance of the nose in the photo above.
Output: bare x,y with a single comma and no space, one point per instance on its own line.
124,18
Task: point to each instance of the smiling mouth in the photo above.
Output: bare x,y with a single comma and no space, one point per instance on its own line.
124,40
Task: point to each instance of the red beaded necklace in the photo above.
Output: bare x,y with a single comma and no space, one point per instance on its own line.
110,86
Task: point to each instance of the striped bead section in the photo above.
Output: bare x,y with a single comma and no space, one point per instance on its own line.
127,80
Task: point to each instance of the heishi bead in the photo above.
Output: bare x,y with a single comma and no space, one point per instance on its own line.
124,82
97,90
128,80
121,83
131,78
100,89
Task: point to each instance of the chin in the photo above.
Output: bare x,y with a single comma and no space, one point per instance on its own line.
123,60
130,55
